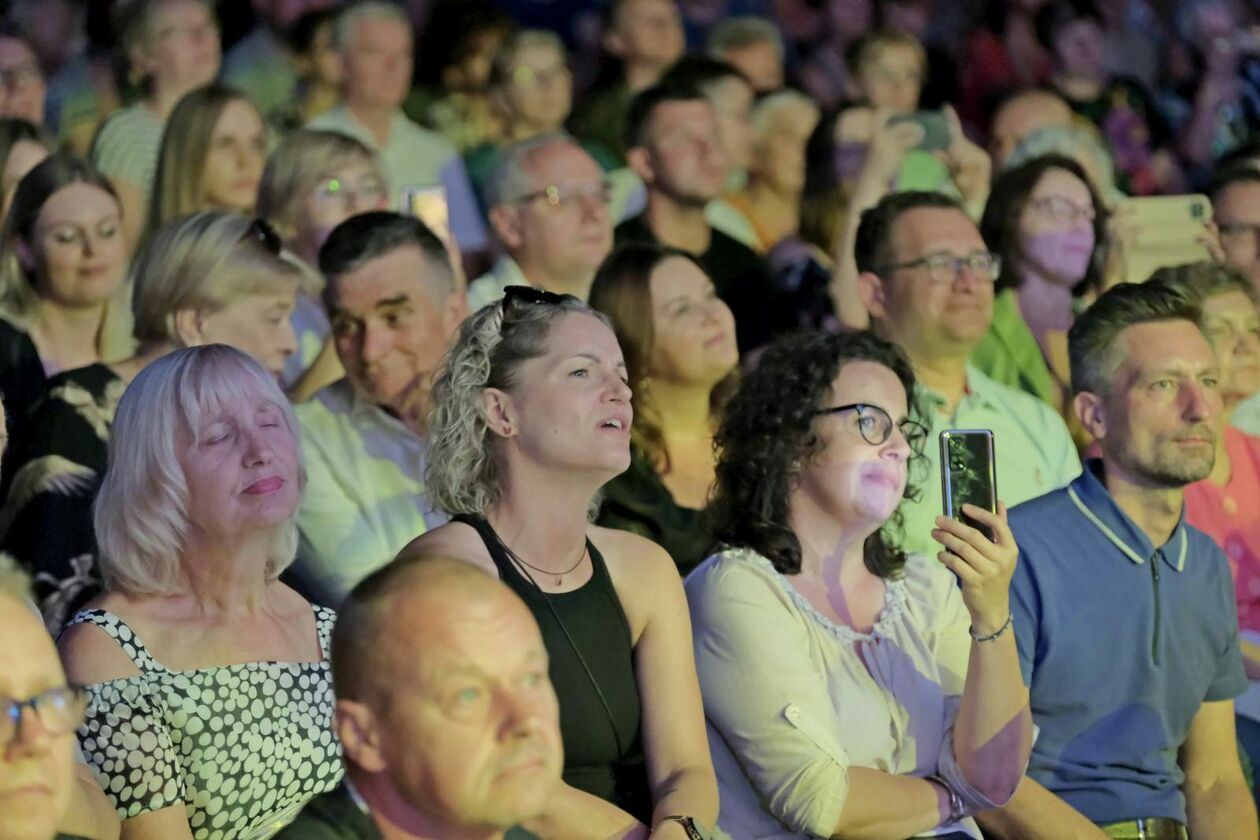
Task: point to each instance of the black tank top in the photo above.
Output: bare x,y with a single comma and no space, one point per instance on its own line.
598,759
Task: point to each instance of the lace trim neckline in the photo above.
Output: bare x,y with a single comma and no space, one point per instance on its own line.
892,612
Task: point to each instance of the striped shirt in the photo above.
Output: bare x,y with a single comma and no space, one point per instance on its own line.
127,146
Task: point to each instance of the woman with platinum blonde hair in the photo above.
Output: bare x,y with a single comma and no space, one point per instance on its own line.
209,691
212,277
314,181
531,417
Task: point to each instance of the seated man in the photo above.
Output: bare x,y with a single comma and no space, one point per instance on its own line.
394,307
1235,194
548,203
444,708
674,147
1124,614
42,788
374,39
927,281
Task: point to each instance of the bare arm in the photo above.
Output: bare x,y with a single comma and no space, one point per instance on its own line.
1218,803
993,729
575,815
167,824
674,740
1035,813
880,805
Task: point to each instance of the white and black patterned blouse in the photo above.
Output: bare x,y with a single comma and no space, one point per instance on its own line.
242,746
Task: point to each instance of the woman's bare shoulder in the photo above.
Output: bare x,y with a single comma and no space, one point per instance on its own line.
632,555
456,540
89,653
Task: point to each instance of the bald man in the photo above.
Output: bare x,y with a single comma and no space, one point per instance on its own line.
1022,114
444,708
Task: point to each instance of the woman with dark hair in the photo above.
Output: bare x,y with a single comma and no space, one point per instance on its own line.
849,688
23,146
678,338
1048,224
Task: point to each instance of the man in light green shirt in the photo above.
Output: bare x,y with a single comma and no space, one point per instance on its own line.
926,278
375,43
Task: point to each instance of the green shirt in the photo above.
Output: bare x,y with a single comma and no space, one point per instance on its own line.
1034,452
1009,353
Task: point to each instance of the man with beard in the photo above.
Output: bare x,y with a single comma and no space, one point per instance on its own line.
1124,614
926,278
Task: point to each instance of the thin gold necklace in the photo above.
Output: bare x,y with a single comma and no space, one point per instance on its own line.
559,575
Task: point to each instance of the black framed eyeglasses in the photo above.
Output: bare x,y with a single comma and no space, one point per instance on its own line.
261,231
876,426
533,294
569,196
946,268
60,710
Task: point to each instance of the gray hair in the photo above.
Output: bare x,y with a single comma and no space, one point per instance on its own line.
743,31
766,109
511,177
141,513
356,13
462,475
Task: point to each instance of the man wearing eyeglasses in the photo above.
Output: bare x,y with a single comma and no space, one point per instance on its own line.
548,204
39,712
22,85
1235,194
926,278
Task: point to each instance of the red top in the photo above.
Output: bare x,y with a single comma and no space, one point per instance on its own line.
1231,516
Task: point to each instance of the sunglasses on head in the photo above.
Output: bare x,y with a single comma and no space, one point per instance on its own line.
532,294
262,232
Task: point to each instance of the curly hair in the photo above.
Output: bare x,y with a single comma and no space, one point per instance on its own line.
462,475
767,433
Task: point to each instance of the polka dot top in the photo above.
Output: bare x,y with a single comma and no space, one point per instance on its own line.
244,747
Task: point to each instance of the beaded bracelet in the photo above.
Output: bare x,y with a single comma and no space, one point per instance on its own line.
1009,618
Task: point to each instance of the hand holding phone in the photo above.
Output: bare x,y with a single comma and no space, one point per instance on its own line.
978,546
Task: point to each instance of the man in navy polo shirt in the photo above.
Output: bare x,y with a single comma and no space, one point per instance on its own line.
1125,614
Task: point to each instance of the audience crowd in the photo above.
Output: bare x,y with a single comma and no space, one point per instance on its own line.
446,419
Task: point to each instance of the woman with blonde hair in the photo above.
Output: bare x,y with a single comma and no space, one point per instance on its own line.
209,691
212,277
314,181
679,343
62,257
531,417
212,155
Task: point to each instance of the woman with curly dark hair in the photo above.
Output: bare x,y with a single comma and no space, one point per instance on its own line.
849,688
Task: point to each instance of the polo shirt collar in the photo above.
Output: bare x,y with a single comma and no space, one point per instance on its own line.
1098,507
980,389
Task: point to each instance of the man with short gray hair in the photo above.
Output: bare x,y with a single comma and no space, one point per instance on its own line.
548,204
395,308
1124,614
375,42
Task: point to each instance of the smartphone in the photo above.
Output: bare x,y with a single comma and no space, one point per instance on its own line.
968,474
1165,230
935,129
428,204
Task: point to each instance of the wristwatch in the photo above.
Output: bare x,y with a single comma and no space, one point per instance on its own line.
693,829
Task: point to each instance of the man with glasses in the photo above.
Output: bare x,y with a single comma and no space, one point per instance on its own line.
39,713
375,40
926,278
548,204
673,137
1235,194
395,308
